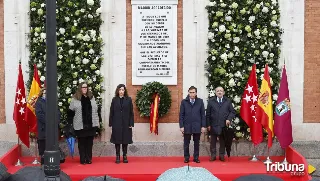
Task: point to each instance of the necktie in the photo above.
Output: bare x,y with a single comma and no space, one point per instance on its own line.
220,100
192,101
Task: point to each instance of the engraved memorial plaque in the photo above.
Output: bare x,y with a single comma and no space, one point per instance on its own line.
154,41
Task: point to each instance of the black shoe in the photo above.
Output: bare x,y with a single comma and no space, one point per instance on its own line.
213,158
221,158
82,163
196,160
88,162
117,159
125,159
42,160
186,160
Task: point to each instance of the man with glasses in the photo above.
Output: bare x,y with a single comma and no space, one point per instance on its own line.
219,114
192,122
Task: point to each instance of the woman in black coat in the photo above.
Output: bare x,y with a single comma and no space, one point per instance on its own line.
121,120
40,110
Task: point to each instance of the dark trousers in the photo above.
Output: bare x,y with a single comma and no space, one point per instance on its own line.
213,146
186,143
41,149
85,145
124,149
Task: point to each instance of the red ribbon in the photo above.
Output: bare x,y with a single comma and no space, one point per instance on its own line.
154,114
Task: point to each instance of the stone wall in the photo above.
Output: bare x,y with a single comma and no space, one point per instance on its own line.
5,146
311,105
296,49
160,148
310,150
176,91
2,72
16,28
299,47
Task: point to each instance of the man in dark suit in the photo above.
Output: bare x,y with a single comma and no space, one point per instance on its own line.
192,121
219,114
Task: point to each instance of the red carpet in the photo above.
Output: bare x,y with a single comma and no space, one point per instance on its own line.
149,168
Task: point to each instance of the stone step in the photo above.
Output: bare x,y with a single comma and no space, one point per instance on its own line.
309,149
5,146
316,164
241,148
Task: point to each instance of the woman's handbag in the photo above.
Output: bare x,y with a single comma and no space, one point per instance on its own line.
69,131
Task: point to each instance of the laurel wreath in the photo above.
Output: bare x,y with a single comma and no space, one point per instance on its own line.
144,98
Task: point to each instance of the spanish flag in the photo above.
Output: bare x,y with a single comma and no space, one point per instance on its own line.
154,114
31,118
264,110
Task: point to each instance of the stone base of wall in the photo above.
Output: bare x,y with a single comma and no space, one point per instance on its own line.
242,148
310,150
5,146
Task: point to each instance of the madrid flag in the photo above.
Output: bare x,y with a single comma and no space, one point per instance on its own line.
19,110
248,107
31,118
282,116
264,108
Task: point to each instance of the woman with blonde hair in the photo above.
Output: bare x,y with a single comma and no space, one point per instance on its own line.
83,116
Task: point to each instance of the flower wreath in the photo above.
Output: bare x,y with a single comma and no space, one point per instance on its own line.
154,101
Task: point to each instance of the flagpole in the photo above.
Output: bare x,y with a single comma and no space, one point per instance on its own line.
254,158
268,160
285,158
19,163
35,161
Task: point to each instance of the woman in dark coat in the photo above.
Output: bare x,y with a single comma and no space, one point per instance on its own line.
83,116
121,120
40,110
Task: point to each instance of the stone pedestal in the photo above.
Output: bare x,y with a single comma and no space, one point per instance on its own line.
241,148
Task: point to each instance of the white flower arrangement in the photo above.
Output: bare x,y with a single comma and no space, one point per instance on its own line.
239,35
79,46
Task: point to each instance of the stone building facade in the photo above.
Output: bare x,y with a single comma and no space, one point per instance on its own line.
300,48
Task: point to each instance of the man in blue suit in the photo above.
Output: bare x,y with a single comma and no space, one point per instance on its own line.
192,122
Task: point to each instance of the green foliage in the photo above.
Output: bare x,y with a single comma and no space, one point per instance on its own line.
242,33
79,47
145,95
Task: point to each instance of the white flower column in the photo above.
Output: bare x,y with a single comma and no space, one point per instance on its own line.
239,36
79,47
